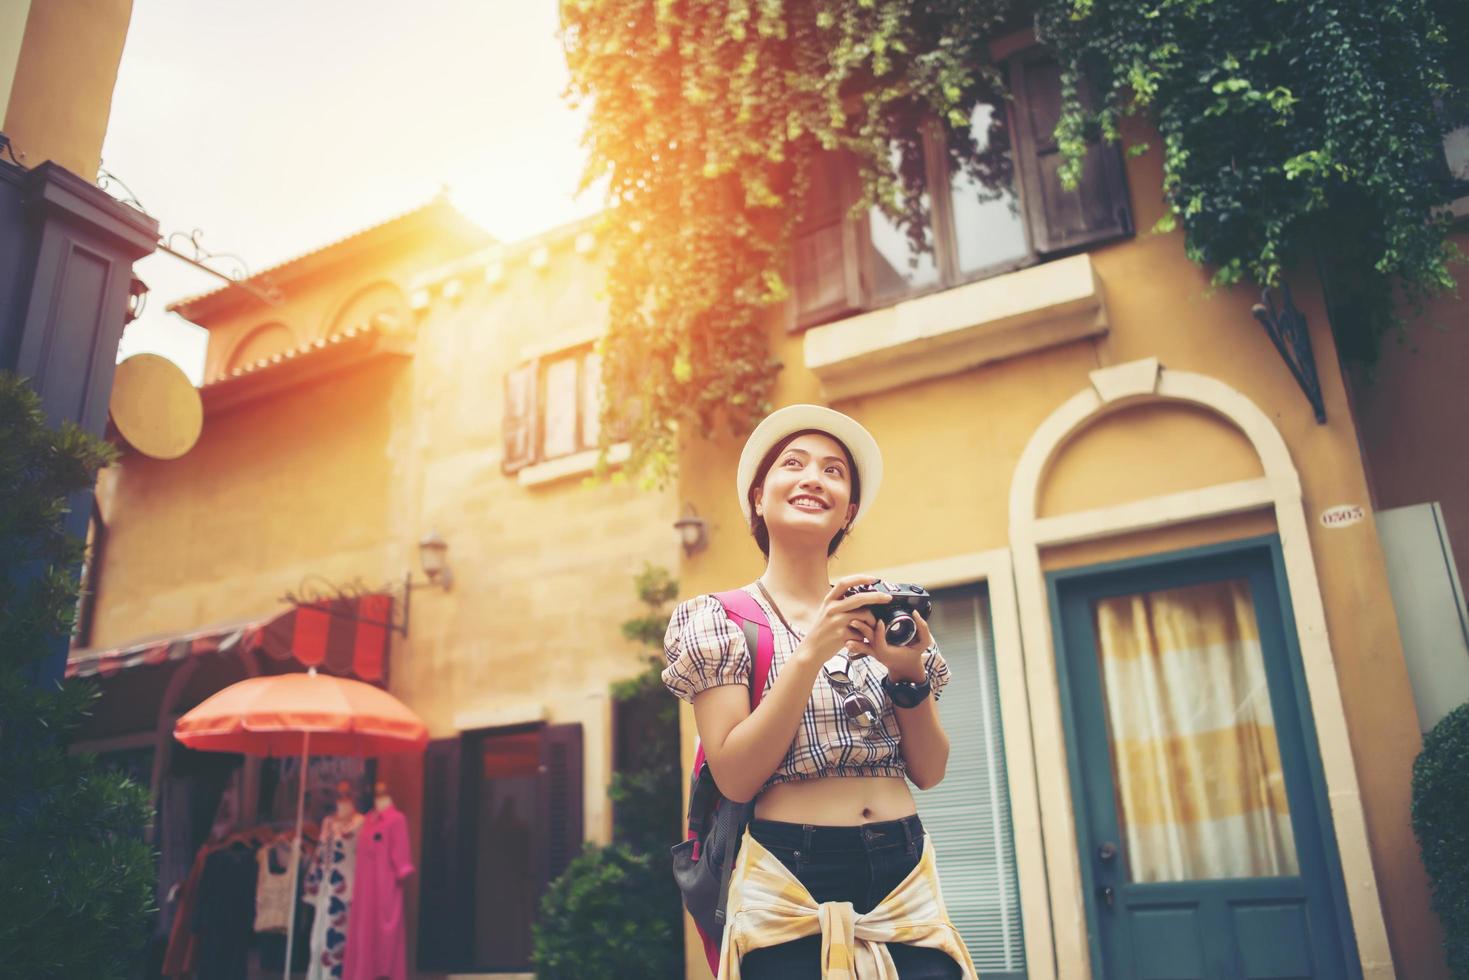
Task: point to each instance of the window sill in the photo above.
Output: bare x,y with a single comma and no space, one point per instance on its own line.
957,329
577,464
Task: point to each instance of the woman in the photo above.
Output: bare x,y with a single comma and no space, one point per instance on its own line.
827,754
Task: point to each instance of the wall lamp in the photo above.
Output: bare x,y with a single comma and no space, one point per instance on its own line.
693,531
433,556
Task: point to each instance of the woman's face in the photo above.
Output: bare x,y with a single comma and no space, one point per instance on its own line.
808,490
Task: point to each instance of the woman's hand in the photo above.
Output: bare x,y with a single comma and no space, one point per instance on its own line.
841,620
902,663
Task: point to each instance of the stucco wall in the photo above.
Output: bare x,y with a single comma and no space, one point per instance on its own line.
951,444
61,92
1414,413
342,477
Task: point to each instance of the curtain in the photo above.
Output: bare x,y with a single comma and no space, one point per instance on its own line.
1200,789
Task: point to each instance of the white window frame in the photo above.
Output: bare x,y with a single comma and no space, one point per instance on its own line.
993,571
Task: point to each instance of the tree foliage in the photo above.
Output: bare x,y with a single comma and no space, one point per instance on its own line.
1440,800
1291,130
1292,133
76,879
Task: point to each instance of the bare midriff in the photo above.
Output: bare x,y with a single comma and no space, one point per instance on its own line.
837,801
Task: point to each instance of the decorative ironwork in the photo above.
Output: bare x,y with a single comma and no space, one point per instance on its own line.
8,148
315,589
189,247
1287,330
237,274
123,194
319,592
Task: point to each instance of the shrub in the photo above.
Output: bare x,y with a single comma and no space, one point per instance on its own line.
76,878
606,918
1441,822
615,911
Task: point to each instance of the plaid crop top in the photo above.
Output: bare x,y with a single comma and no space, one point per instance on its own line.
705,649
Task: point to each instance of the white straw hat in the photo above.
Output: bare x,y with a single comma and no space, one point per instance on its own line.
796,418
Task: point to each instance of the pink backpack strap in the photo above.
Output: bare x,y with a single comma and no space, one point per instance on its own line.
742,608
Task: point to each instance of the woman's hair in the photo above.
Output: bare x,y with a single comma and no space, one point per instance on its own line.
757,523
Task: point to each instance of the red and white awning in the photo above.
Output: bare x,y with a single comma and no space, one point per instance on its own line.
340,636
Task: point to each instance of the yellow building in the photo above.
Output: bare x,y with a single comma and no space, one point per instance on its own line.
416,380
1182,716
58,67
1189,682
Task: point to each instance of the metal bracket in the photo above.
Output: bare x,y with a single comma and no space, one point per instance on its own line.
239,276
322,594
1287,330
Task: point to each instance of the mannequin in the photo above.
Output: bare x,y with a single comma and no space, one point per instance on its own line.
329,885
376,939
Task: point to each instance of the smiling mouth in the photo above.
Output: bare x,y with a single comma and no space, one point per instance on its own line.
810,504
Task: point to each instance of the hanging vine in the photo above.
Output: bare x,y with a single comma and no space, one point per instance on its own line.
1290,130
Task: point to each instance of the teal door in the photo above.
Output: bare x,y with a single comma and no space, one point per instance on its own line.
1206,844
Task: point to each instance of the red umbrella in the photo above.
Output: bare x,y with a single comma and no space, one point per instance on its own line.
296,714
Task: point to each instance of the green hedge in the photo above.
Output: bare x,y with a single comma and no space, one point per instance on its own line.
607,918
1441,821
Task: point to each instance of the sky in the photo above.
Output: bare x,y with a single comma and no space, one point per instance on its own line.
276,126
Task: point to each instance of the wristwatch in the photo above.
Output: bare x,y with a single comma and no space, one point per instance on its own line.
906,694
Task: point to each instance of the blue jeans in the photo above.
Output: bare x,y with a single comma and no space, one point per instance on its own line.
860,865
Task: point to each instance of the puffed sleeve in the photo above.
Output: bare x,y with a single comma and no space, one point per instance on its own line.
703,648
935,669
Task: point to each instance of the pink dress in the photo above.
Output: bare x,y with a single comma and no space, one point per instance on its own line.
376,940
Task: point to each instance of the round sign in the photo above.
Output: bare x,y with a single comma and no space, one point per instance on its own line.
155,407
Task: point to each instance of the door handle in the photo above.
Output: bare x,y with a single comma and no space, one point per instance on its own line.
1107,851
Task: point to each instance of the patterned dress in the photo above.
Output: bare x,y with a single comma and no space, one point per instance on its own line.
328,889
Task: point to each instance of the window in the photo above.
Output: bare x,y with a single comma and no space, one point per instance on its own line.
552,408
1456,154
502,818
1454,109
968,813
1011,213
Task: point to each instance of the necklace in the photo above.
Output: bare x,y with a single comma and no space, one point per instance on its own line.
778,614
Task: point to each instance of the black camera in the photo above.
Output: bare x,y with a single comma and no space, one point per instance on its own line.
896,615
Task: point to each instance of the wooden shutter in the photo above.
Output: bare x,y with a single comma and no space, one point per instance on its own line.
825,267
560,804
518,432
1059,219
968,813
444,903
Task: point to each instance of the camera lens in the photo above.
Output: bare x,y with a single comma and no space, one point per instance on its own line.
902,630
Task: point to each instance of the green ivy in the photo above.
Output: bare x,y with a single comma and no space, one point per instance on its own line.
1292,131
647,790
1294,134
